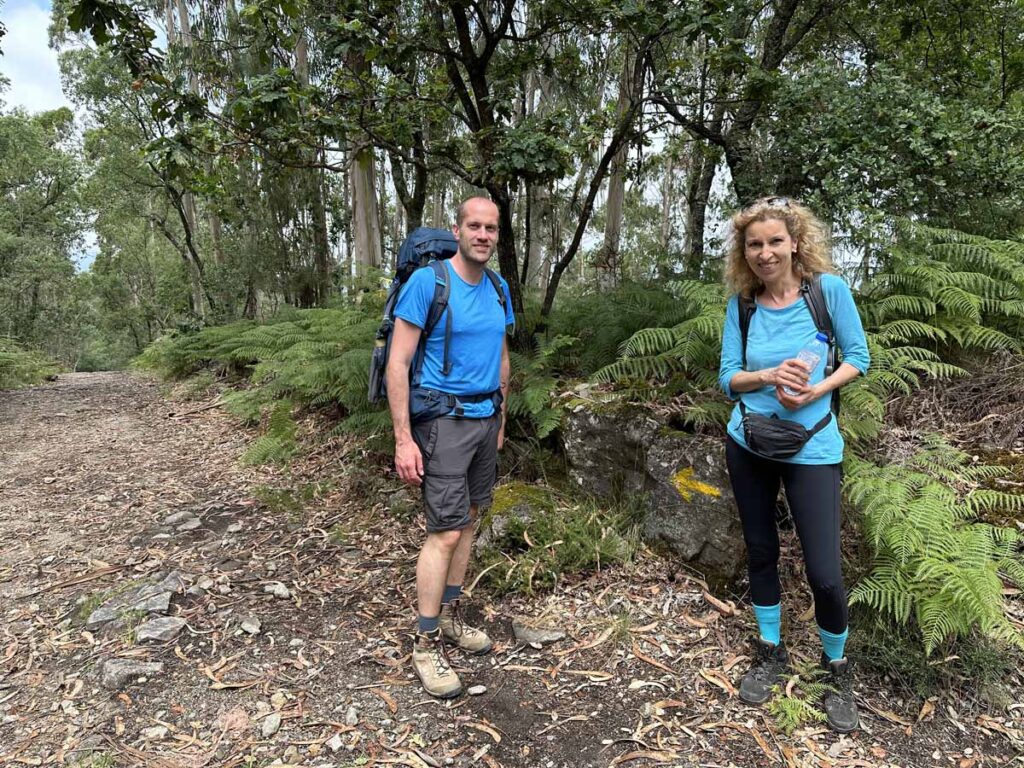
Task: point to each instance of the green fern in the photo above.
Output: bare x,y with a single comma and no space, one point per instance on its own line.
935,566
795,704
534,384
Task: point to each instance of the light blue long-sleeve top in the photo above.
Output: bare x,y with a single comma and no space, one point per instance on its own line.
779,334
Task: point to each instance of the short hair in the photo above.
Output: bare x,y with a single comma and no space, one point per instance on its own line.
812,255
460,212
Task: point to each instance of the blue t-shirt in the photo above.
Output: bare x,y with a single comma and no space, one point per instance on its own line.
779,334
478,330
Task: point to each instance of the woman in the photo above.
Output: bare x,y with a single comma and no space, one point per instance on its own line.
778,246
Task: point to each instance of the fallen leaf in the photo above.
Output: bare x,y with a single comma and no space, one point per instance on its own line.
724,608
387,699
652,662
719,680
926,710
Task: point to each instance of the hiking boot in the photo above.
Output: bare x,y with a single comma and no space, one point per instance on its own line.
431,665
838,703
454,627
771,666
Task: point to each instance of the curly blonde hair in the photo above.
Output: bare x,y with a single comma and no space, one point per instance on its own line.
813,255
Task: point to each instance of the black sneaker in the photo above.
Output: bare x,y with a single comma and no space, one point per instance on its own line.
771,665
838,703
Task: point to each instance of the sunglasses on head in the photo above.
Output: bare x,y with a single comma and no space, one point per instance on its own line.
769,202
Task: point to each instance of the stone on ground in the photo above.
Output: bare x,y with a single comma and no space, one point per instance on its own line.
116,673
159,630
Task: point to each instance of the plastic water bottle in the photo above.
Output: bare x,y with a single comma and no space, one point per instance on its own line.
811,355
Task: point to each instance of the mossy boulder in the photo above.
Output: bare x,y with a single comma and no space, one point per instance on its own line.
688,503
515,506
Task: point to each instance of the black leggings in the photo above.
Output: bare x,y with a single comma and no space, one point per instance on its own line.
813,495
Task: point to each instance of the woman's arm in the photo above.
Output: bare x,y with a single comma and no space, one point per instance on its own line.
748,381
844,374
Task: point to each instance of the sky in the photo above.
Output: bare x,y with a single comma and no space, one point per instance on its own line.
31,66
28,62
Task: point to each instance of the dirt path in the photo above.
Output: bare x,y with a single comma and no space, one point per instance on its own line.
107,490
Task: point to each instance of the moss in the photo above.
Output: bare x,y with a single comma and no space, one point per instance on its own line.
511,495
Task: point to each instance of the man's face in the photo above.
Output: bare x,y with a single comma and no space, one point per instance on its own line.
478,233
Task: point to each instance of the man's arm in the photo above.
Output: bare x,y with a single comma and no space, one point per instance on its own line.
503,378
408,459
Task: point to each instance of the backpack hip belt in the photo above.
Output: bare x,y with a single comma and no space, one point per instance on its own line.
426,404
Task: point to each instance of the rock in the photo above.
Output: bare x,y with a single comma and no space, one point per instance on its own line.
158,603
90,745
101,616
190,525
278,700
155,733
335,743
173,582
271,724
515,505
177,518
204,582
116,673
606,450
352,717
277,589
526,632
688,502
159,630
251,625
476,690
234,528
690,507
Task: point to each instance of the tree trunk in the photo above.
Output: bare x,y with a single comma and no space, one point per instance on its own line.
608,259
365,218
698,192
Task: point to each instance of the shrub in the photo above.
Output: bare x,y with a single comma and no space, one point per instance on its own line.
21,367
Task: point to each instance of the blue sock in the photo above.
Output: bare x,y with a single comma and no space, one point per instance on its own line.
451,592
427,623
769,622
834,645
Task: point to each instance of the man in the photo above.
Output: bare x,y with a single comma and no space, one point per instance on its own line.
453,457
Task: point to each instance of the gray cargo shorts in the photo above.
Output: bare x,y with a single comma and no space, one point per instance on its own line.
460,466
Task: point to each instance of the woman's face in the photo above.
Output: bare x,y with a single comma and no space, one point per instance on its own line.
769,249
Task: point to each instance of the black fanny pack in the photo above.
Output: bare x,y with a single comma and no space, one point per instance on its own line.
426,404
775,438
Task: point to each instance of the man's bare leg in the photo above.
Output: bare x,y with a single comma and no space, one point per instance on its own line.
452,625
432,568
460,557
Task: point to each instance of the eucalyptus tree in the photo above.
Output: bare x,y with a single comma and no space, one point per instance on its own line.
40,229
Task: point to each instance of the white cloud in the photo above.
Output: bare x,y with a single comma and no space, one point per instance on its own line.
27,59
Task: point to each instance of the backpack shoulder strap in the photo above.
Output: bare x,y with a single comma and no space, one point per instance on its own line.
747,307
438,305
810,289
496,282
